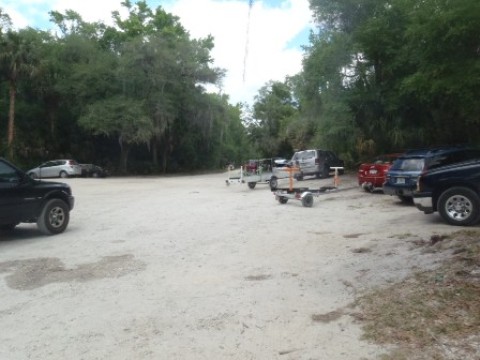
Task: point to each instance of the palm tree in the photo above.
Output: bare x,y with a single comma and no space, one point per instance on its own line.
17,58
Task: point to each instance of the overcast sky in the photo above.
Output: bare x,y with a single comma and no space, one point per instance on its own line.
277,30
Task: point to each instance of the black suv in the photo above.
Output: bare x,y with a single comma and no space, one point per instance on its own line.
23,199
401,179
453,191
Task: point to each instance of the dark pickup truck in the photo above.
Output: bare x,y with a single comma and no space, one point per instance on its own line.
453,191
25,200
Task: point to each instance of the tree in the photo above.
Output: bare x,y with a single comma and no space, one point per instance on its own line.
273,111
121,117
18,58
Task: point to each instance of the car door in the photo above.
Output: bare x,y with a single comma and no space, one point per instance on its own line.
13,191
50,169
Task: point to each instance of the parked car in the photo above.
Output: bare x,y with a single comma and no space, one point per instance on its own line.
316,162
401,179
453,191
25,200
92,170
56,168
371,175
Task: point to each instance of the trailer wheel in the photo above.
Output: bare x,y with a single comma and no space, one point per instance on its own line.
307,200
251,185
273,183
282,199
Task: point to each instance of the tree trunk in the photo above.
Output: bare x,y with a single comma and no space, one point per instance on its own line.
155,151
124,150
11,120
164,158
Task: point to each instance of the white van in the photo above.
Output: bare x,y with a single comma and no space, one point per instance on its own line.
316,162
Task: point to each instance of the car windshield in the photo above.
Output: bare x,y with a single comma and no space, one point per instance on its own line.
411,164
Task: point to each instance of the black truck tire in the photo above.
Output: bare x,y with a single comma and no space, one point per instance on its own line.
459,206
54,217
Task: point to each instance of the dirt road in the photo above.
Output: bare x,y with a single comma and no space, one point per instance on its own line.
188,268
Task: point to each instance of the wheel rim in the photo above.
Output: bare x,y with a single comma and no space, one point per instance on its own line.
56,218
458,207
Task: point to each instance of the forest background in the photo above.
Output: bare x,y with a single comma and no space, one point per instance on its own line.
378,76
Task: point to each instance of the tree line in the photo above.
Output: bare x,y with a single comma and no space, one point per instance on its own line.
129,96
378,76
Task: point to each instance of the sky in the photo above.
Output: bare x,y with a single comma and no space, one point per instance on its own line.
254,45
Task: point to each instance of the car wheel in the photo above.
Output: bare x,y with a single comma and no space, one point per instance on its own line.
307,200
367,188
95,174
273,183
282,200
33,175
54,217
252,185
406,199
63,174
459,206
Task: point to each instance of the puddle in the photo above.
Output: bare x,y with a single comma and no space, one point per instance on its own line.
34,273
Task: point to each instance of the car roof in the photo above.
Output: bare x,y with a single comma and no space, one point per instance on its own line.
431,151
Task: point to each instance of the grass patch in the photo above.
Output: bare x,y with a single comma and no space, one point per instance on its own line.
432,314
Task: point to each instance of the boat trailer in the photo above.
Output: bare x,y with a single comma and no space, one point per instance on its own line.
305,194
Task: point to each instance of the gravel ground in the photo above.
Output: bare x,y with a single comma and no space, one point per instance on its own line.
189,268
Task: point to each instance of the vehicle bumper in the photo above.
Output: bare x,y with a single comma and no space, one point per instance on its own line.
424,203
371,182
405,191
71,201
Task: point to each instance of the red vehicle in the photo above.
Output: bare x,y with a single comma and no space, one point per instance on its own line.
371,175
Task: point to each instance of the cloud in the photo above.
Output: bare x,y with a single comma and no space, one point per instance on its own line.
254,60
251,61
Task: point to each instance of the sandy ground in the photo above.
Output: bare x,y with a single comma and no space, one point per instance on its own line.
189,268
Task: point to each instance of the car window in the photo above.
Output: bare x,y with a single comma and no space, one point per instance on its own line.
444,159
48,164
472,154
330,156
299,156
452,158
7,174
308,155
412,164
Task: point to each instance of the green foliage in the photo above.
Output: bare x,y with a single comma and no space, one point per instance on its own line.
273,111
131,94
382,76
378,76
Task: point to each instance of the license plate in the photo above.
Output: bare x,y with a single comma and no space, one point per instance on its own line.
400,181
373,172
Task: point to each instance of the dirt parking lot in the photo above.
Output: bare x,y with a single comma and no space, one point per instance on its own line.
189,268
